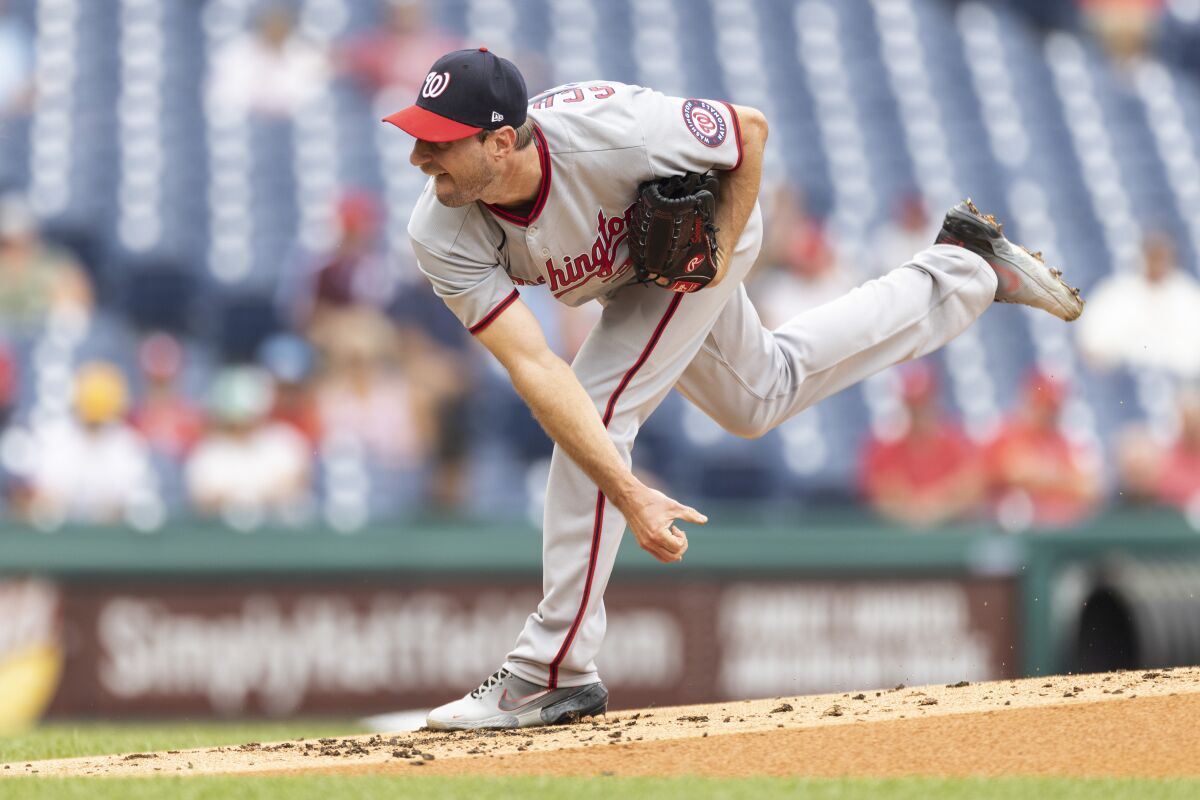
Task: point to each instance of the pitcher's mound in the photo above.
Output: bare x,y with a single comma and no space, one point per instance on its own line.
1118,724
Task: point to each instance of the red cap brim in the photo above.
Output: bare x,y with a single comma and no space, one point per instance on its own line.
423,124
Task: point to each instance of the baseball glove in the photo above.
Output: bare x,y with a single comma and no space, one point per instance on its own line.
673,241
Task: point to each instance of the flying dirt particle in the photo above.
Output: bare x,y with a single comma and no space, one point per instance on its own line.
132,756
1118,691
1008,702
1068,694
958,685
1076,688
327,741
782,707
173,752
615,735
416,762
859,696
727,719
190,765
693,718
1147,676
928,701
1047,685
897,687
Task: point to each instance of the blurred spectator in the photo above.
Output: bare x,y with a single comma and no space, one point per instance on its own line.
36,278
1168,473
367,396
1124,28
1037,477
16,62
396,56
9,485
798,267
352,279
908,232
94,468
169,421
1149,319
289,359
931,473
272,70
248,469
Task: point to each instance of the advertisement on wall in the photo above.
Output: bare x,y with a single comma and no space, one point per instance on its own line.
255,649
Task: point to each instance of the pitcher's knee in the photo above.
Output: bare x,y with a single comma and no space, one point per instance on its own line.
746,428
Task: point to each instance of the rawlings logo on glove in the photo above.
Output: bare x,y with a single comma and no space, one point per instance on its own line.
672,238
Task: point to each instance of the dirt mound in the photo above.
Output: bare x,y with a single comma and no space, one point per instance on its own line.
1119,724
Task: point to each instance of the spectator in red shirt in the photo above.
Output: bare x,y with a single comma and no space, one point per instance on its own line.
932,473
1038,478
1167,474
395,57
168,421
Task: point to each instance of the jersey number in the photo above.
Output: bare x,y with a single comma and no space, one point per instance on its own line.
571,94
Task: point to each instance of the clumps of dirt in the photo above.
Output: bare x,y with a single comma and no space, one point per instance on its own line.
781,708
833,711
134,756
693,718
959,685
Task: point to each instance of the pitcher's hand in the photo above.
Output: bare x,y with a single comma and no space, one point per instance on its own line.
651,516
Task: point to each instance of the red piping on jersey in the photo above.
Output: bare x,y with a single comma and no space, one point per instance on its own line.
543,191
737,135
598,522
495,312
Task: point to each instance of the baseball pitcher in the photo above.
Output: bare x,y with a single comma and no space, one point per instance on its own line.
647,204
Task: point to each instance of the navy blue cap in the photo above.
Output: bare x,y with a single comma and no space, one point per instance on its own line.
465,92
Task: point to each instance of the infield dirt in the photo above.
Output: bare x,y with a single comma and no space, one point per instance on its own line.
1110,725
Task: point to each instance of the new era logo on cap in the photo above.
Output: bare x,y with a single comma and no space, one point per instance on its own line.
465,92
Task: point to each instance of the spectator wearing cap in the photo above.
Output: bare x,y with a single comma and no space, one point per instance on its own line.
1038,478
799,267
1149,319
169,421
930,473
331,295
290,362
95,468
248,470
36,279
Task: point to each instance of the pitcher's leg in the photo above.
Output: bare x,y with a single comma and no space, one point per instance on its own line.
750,379
644,340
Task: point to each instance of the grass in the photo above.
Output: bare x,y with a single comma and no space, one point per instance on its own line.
369,788
66,740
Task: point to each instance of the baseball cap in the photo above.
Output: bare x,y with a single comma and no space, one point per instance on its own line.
465,92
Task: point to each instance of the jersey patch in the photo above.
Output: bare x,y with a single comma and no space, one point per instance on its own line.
704,122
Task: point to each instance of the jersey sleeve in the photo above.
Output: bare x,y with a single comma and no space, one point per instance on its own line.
687,134
477,292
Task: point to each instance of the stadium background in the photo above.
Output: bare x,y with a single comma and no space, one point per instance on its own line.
250,465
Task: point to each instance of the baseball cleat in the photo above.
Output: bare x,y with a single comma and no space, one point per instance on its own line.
1023,276
506,701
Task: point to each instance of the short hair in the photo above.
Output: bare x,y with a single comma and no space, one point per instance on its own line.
524,134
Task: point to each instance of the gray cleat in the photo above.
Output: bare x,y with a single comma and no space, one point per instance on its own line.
506,701
1023,276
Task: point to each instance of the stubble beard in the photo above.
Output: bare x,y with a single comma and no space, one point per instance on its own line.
467,187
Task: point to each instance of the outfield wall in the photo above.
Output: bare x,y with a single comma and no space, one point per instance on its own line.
201,621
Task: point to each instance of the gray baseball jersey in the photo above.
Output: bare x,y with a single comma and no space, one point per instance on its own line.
597,141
